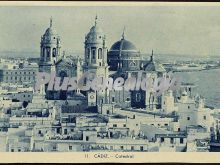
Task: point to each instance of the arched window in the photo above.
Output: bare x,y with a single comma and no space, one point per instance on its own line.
93,53
54,52
48,52
100,53
88,53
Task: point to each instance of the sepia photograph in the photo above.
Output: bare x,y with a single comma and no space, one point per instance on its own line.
109,80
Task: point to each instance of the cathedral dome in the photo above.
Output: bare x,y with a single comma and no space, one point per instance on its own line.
123,54
123,45
95,34
96,29
50,35
50,31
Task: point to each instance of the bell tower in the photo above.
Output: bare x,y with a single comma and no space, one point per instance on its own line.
49,49
95,47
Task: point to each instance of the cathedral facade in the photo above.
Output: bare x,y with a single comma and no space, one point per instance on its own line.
122,60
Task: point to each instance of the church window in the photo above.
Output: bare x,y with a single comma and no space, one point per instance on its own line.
100,53
93,53
48,52
54,52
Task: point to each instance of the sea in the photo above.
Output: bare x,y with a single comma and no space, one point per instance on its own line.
207,84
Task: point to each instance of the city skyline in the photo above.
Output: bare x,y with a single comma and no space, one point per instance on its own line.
167,30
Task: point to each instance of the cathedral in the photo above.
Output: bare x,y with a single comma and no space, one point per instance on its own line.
123,59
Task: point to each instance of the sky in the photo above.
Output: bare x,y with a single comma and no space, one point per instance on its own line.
178,30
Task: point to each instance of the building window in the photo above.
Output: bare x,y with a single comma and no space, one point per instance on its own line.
12,150
87,138
171,140
204,117
162,139
100,53
93,53
54,147
132,148
181,140
113,99
141,148
111,147
70,147
122,147
48,52
188,118
54,52
65,131
124,125
188,107
19,150
114,125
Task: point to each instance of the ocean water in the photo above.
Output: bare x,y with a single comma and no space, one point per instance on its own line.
207,84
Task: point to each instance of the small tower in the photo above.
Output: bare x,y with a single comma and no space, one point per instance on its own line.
49,49
95,47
